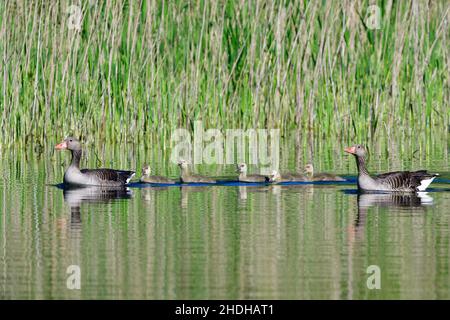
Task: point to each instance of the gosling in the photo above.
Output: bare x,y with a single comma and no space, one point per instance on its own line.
147,178
186,177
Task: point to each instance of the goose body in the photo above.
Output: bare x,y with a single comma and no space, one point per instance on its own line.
147,178
276,177
244,177
157,179
309,169
187,177
93,177
402,181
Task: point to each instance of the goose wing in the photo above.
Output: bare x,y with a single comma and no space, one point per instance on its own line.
157,179
203,179
404,179
327,177
298,177
257,177
121,176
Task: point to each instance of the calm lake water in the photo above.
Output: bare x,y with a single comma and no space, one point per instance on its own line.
219,242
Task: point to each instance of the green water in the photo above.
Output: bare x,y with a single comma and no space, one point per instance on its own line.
219,242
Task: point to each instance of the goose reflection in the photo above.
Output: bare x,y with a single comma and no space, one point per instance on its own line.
75,196
148,194
245,190
413,202
397,200
186,191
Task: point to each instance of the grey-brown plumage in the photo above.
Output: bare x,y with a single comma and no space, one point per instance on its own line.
404,181
94,177
187,177
276,177
147,178
244,177
311,176
108,176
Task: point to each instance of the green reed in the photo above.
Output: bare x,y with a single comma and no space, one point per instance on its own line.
136,70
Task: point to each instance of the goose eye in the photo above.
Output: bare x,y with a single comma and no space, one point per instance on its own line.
70,140
359,147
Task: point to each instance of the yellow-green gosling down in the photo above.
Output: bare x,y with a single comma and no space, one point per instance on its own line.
147,178
309,169
244,177
187,177
276,177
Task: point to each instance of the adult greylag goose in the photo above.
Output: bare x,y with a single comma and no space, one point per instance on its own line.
276,177
404,181
94,177
147,178
309,169
244,177
187,177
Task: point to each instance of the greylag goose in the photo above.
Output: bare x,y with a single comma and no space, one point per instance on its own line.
309,169
147,178
404,181
244,177
93,177
186,177
276,177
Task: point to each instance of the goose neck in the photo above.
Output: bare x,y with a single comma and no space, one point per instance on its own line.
76,156
361,164
184,171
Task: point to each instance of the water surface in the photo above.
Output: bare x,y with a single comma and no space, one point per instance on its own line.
219,242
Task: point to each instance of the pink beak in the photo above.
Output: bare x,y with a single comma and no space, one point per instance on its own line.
351,150
61,146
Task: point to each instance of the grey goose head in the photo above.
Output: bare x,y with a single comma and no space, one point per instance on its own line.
69,143
357,150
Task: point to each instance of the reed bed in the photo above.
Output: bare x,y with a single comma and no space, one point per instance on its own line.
118,72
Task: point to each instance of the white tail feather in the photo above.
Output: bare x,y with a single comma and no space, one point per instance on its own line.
132,175
425,183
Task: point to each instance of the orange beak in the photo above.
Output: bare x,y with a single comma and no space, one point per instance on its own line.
61,146
351,150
